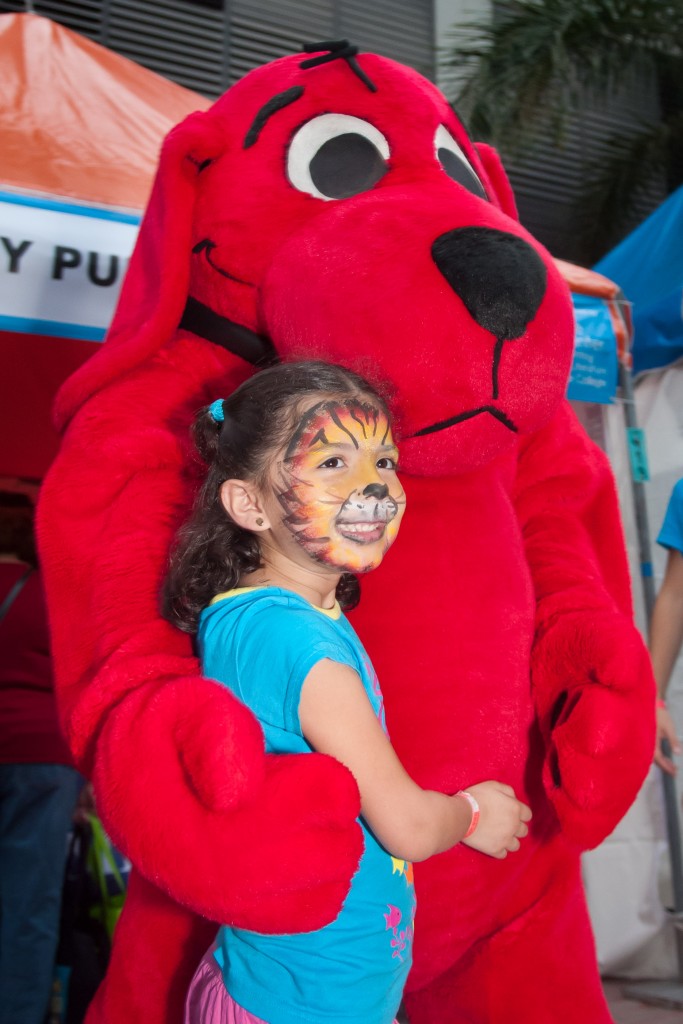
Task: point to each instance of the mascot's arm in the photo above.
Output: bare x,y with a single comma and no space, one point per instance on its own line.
591,675
180,774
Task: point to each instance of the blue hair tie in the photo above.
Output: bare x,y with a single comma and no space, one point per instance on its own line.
216,411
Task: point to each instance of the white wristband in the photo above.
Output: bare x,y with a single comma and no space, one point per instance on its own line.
475,811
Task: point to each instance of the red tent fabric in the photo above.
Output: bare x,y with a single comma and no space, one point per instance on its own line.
78,125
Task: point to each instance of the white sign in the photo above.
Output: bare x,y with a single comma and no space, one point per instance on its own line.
61,265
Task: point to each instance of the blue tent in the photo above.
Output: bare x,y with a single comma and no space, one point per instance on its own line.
648,267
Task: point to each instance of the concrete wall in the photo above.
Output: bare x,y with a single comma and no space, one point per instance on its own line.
450,17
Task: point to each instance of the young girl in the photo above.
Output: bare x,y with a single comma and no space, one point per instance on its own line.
301,495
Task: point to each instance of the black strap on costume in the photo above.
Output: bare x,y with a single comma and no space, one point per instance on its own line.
14,594
248,345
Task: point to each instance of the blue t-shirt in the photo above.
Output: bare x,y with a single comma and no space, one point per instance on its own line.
262,642
671,533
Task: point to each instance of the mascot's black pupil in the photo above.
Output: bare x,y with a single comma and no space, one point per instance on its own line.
460,172
346,165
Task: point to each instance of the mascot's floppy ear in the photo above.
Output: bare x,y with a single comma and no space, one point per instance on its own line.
156,284
498,179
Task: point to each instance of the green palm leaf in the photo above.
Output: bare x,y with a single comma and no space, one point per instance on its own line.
523,75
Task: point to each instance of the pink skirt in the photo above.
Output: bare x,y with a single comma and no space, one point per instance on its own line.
208,1000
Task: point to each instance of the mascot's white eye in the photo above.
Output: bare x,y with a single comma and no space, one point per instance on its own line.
455,163
335,156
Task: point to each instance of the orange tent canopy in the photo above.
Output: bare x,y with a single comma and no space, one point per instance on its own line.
587,282
78,120
582,281
79,124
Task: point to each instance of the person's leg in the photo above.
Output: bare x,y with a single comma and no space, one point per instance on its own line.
36,804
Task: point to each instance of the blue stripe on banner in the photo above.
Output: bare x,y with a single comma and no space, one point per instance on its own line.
100,212
646,569
52,328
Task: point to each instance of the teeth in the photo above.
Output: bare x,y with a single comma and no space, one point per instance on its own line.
359,527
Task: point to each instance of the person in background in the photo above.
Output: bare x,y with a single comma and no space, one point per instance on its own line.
666,625
39,786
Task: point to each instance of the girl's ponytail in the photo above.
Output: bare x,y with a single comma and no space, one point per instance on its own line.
206,434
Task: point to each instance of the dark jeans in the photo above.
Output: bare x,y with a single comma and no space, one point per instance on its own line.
36,804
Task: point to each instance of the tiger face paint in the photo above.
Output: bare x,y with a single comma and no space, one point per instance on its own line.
338,487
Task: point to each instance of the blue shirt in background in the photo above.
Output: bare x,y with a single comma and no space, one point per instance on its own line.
671,533
262,642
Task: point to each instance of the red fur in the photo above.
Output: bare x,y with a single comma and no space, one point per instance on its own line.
500,624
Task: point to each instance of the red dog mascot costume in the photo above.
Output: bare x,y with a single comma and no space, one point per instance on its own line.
335,207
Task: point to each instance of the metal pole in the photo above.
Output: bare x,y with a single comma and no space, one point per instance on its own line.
673,830
638,487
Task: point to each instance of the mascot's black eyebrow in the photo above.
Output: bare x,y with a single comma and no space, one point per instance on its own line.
282,99
338,49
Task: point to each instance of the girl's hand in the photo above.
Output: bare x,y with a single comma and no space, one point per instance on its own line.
502,819
666,730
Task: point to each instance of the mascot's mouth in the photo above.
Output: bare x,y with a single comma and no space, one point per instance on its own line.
452,420
206,246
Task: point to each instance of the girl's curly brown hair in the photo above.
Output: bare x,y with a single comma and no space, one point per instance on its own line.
212,553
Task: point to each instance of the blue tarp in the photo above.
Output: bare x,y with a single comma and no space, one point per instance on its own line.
648,267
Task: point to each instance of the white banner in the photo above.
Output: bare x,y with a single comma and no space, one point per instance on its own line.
61,265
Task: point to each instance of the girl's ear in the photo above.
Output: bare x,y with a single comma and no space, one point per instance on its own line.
243,503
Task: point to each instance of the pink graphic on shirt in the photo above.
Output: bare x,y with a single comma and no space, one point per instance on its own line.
400,942
393,918
402,937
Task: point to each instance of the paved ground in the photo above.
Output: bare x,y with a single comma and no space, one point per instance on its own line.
626,1010
632,1011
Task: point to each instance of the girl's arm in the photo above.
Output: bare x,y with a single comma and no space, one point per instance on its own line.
411,823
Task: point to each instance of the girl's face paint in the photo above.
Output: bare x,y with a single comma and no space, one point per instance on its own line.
338,487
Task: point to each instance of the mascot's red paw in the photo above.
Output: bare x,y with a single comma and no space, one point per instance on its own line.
223,761
290,818
589,674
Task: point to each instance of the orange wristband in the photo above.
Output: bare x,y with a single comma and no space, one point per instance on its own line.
475,811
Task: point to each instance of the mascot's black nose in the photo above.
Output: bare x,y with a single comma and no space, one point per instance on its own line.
498,276
378,491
